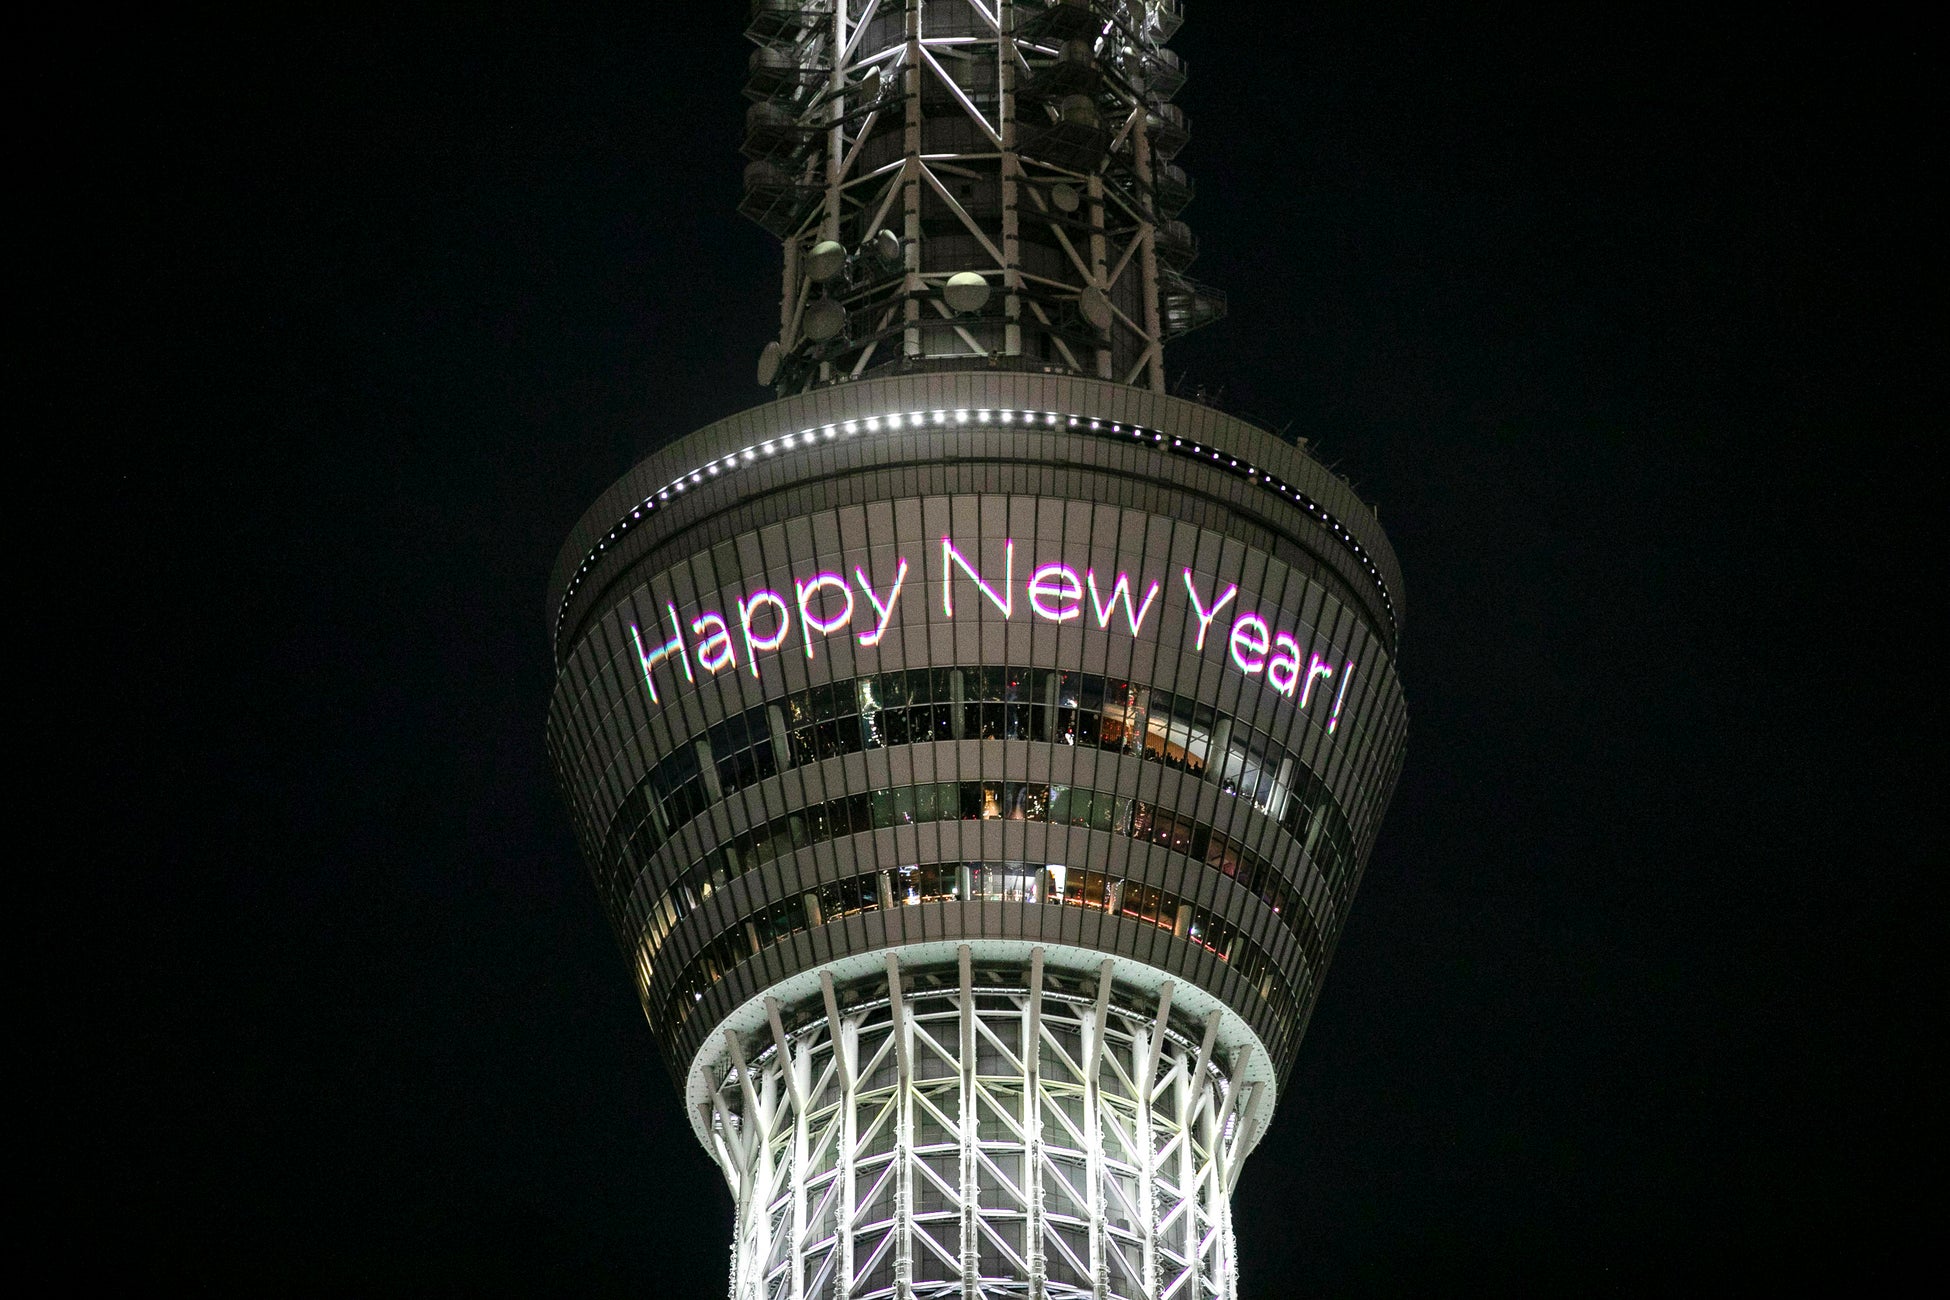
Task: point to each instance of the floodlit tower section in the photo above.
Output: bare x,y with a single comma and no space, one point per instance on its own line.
971,182
976,750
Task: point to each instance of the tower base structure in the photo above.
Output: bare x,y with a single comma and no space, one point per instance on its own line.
983,1119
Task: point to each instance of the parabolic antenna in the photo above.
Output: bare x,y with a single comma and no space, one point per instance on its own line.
869,86
1095,307
1065,197
1081,110
965,291
827,259
887,247
824,319
768,363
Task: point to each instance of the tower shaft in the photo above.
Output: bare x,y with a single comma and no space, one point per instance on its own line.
1028,144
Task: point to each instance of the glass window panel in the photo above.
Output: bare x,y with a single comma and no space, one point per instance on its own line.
798,708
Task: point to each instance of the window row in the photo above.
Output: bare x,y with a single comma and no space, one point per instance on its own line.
989,703
1049,884
1056,805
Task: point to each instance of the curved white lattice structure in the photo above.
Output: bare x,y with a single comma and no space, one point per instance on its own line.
978,1135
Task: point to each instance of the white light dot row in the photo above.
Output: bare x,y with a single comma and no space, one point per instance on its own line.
809,438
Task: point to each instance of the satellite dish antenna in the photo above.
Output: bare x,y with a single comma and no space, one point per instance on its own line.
826,260
965,291
1081,110
869,86
887,247
768,363
824,320
1095,307
1065,197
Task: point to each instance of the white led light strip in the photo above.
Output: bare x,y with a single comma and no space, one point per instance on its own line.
815,436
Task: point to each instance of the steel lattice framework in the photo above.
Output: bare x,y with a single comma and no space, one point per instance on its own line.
1028,143
979,1138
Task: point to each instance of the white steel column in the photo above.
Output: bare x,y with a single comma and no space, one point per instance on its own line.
1093,1134
1181,1143
790,1071
970,1196
1032,1126
1145,1059
903,1138
844,1041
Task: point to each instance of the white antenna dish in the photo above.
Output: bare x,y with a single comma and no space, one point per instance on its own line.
824,319
869,86
768,363
1065,197
887,247
965,291
1081,110
827,259
1095,307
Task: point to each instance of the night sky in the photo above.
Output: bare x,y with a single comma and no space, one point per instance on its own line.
333,325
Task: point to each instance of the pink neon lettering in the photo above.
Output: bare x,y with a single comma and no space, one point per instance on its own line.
1251,636
809,622
1056,583
747,609
1205,616
886,612
1317,667
951,555
714,653
1120,588
651,658
1334,719
1283,670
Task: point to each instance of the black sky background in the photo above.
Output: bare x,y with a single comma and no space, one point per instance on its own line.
336,322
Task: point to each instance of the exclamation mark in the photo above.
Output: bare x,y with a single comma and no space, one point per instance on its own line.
1334,719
